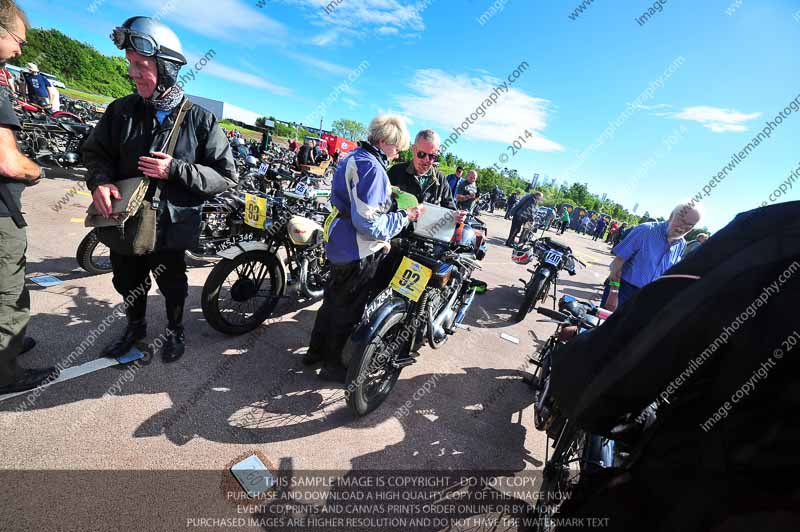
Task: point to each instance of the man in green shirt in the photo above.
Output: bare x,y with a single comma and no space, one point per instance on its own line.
564,220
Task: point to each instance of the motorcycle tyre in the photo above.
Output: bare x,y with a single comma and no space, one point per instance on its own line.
84,254
533,293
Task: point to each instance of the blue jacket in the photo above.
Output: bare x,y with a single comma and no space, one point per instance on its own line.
363,196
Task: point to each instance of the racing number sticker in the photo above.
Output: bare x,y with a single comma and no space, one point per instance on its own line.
411,278
255,211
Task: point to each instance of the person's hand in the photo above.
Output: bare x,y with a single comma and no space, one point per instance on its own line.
157,166
612,301
102,198
415,212
461,216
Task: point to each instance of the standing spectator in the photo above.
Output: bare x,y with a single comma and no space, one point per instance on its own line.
16,173
306,154
585,221
37,86
512,200
494,196
201,167
467,191
55,98
564,220
612,230
335,158
651,249
293,145
357,238
7,81
600,228
523,211
454,179
692,246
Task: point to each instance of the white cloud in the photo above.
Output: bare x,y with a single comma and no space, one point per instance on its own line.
716,119
320,64
243,78
351,19
446,99
234,20
350,102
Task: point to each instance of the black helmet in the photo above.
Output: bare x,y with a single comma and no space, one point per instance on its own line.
148,37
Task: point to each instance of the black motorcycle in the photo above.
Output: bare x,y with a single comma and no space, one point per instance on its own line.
553,256
244,287
575,451
429,296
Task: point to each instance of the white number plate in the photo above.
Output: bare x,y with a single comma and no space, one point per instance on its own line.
300,189
553,257
263,169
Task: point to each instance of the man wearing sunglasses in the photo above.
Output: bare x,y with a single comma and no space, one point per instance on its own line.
131,141
421,178
16,173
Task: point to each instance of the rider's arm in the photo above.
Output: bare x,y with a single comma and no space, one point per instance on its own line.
366,210
97,152
214,171
13,164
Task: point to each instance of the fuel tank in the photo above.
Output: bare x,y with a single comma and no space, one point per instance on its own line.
301,230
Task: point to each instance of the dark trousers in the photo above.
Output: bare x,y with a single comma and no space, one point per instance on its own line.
509,206
598,234
15,301
516,226
563,227
349,289
132,281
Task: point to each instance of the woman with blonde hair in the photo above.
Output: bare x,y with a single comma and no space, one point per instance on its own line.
357,232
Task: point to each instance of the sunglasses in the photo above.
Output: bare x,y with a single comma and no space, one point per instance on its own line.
22,42
432,156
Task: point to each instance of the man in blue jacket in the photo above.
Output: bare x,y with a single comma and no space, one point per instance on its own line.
358,231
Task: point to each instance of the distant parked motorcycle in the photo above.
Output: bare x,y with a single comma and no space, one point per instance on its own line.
553,256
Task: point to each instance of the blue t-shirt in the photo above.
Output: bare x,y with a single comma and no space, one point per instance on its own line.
37,85
647,253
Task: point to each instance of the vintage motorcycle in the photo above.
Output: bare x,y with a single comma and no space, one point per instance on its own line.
429,296
243,288
575,451
553,256
53,142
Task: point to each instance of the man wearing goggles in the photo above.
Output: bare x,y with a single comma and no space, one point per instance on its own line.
421,178
131,140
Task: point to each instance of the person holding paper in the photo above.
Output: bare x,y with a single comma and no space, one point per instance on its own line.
358,232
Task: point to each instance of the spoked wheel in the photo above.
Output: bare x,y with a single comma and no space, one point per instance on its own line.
93,256
560,475
240,294
370,375
533,293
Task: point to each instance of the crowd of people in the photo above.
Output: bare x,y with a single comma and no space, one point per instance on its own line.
188,159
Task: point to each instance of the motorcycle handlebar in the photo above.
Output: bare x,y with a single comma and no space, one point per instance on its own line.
553,314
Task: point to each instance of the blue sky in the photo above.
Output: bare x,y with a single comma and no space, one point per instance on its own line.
435,62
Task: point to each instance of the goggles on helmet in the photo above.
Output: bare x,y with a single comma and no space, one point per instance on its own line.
140,43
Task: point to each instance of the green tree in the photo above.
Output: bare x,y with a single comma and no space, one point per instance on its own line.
350,129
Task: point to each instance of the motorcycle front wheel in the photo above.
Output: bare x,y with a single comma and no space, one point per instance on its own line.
93,256
370,375
241,293
533,293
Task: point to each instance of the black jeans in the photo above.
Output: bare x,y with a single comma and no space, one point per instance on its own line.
563,227
516,225
349,289
132,281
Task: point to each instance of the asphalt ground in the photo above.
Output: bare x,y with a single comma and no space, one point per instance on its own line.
468,408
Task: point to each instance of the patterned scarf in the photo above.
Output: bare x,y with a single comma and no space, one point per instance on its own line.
169,101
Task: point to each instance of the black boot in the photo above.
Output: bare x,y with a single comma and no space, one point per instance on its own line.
135,331
174,346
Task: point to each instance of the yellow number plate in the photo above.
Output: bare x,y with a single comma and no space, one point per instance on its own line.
411,279
255,211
